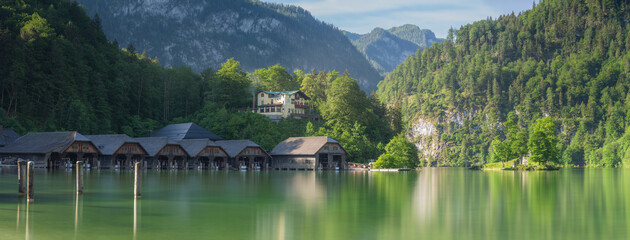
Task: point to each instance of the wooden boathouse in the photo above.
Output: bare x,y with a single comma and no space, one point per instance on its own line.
176,146
118,150
53,149
245,154
309,153
163,153
204,154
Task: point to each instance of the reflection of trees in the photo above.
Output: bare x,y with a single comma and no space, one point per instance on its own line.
569,204
433,203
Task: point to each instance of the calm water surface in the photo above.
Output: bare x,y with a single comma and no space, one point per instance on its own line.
446,203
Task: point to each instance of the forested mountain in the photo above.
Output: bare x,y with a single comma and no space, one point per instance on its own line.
481,90
58,72
205,33
386,49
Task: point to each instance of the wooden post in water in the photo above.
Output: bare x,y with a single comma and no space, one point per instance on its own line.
138,181
79,177
30,196
21,177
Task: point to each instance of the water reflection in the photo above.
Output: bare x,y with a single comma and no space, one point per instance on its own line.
136,216
78,213
434,203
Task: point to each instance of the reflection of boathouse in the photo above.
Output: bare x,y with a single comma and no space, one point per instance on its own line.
117,150
309,153
52,149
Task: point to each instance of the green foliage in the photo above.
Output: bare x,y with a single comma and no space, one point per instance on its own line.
346,102
399,153
36,27
231,82
316,84
275,78
572,67
543,141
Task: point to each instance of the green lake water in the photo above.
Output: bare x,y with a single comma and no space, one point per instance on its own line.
432,203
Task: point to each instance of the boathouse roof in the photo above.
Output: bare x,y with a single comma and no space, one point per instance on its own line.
195,146
44,142
234,147
109,144
7,136
186,131
153,145
302,145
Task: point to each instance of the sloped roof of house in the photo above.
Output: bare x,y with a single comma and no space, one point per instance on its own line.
44,142
7,136
153,145
302,145
234,147
109,144
186,131
277,94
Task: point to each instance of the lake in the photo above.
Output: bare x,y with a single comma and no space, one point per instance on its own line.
432,203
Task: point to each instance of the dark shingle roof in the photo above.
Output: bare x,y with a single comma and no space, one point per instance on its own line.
153,145
7,136
234,147
186,131
301,145
44,142
109,144
193,146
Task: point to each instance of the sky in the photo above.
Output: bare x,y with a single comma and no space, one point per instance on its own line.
361,16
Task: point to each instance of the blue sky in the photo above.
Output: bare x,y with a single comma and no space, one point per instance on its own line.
361,16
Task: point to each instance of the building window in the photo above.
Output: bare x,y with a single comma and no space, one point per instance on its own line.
262,95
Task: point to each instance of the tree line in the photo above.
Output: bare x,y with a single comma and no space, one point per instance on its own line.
60,73
564,59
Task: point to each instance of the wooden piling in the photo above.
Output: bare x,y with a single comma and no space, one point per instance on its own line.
138,181
21,177
31,192
79,177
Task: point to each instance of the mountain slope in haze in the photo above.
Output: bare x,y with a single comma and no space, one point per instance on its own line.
474,98
205,33
386,49
422,37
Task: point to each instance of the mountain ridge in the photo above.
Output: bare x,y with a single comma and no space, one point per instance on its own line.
386,49
205,33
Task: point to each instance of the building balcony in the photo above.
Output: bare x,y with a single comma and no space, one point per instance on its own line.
271,105
303,105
